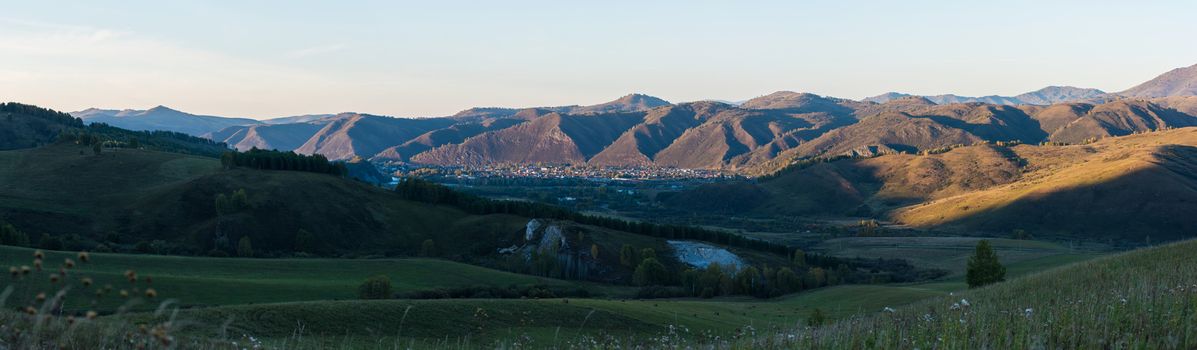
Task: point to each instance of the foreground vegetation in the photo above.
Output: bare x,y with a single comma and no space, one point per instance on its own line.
201,281
233,307
1145,299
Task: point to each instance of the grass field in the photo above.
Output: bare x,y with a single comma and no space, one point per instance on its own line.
200,281
313,301
949,253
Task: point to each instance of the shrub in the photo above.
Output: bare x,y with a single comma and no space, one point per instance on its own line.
377,287
49,242
428,248
817,318
245,248
9,235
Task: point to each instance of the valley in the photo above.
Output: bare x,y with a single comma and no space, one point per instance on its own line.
786,220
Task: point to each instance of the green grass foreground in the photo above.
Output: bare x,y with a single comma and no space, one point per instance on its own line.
1144,299
204,281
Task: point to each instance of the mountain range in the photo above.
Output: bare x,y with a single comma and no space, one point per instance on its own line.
757,136
1045,96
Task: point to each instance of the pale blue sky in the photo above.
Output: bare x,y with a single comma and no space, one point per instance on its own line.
275,58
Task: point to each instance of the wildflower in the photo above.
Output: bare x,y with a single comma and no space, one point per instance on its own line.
124,293
38,254
151,293
1028,312
54,278
37,263
25,270
30,310
964,303
91,315
86,281
84,257
41,297
68,263
955,306
888,309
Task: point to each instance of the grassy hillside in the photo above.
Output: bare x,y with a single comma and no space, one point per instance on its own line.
235,282
1139,300
26,126
204,281
123,197
129,200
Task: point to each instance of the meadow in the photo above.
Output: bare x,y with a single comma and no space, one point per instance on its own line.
312,303
203,281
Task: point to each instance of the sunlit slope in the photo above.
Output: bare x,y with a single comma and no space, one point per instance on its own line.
1135,186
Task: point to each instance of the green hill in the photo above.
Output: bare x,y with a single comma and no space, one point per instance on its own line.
26,126
1143,299
124,197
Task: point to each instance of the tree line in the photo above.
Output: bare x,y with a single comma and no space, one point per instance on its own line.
38,112
277,160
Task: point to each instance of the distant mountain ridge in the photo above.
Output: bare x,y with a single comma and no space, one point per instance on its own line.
160,118
1045,96
758,135
1177,82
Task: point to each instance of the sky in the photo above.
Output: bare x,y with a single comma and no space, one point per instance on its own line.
264,59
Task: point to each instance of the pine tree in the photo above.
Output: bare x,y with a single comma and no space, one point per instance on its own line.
984,267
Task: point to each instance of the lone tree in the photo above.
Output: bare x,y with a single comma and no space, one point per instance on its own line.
984,267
